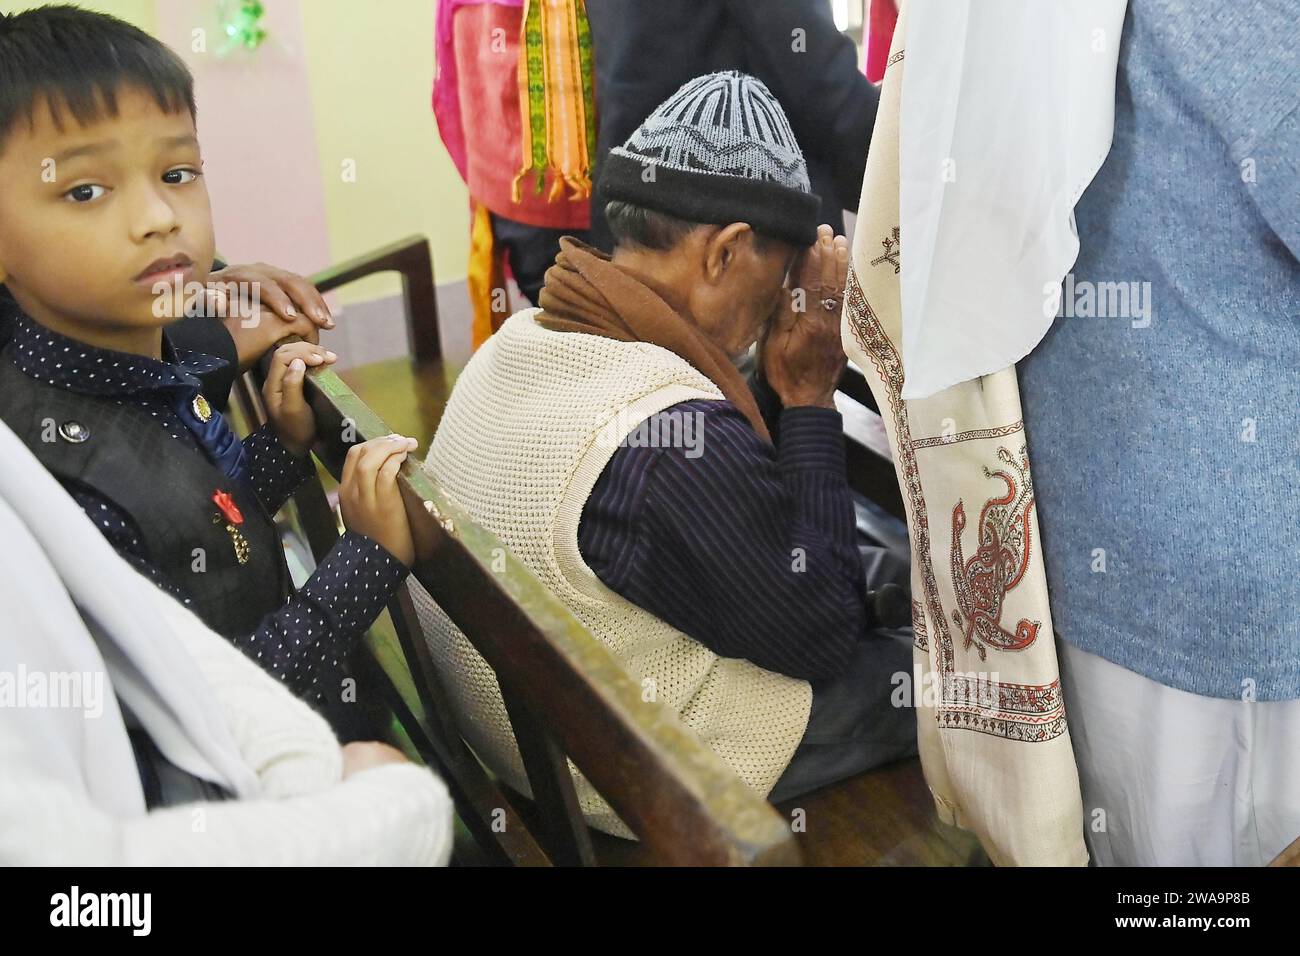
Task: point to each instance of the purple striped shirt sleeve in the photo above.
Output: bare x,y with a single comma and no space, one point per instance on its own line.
749,550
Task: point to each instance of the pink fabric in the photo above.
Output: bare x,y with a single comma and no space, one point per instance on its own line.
478,78
446,83
880,32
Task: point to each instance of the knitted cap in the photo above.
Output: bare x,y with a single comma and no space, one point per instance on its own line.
718,150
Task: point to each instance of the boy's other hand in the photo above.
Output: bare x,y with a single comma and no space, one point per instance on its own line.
287,409
287,305
367,754
369,497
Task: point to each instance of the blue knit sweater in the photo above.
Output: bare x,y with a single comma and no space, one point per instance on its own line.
1165,444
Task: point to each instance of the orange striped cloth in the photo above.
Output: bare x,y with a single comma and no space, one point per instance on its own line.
522,69
557,97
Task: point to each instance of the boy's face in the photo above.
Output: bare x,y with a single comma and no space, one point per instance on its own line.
91,217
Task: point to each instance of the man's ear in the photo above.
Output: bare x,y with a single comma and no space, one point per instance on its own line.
722,248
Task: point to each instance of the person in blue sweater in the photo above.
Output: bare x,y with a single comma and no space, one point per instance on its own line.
1166,449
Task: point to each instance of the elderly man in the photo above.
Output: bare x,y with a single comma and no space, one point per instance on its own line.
610,441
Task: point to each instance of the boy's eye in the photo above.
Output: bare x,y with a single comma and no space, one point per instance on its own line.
179,177
85,193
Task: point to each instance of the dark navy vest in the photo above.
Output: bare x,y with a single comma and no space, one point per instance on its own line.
121,452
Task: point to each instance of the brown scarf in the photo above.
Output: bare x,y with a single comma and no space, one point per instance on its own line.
586,292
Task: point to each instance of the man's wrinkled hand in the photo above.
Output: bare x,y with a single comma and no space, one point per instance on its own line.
802,354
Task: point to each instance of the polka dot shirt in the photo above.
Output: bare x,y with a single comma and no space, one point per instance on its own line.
303,642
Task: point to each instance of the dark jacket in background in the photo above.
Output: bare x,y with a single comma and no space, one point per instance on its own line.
646,49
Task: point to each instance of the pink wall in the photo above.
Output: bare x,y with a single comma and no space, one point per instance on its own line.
259,141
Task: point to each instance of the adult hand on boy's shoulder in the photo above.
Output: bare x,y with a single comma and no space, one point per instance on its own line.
286,407
264,304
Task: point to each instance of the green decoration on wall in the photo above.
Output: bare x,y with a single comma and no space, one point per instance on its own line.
241,20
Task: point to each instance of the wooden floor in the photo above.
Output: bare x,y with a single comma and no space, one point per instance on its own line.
882,818
409,396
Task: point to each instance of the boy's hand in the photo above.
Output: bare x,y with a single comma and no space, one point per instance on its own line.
286,407
801,352
287,305
369,498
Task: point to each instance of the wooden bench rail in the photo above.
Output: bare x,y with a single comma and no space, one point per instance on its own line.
669,788
412,260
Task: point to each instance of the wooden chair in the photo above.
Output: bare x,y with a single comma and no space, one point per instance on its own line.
565,693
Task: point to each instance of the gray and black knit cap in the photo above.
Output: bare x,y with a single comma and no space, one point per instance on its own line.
718,150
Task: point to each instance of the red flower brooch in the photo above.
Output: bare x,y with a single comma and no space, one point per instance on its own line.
228,507
233,517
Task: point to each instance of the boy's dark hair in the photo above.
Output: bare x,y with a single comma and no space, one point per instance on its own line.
633,225
78,61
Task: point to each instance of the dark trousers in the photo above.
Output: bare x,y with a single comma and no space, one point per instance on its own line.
530,250
854,726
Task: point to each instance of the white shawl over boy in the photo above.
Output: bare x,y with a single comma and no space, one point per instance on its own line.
70,793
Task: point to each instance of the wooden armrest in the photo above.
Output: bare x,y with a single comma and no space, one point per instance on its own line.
411,259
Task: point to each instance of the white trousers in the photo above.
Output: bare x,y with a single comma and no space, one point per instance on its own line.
1174,779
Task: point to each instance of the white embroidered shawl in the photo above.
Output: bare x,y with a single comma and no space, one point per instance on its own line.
993,738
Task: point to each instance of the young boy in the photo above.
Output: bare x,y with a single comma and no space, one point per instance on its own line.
102,207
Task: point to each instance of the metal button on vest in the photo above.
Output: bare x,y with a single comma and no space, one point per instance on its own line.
74,432
202,410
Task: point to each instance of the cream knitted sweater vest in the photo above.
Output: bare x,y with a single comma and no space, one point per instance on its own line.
530,426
